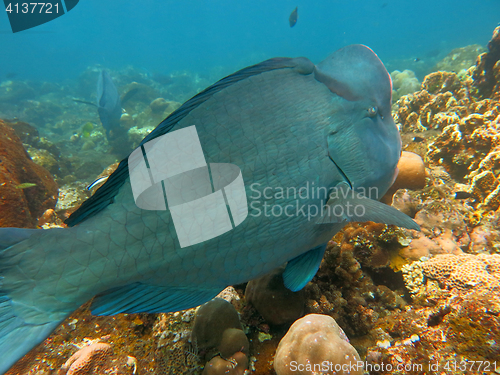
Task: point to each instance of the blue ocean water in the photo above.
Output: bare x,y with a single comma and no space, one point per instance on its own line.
216,37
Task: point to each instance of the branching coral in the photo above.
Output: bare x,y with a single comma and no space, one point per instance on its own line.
467,115
487,74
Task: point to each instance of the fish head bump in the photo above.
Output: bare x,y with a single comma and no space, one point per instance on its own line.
363,140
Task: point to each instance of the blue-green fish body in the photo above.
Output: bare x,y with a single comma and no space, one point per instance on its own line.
295,130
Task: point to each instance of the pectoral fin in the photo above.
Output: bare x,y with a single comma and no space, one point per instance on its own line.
138,297
348,206
300,270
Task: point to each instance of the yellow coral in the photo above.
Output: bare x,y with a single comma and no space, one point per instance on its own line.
492,262
465,271
441,266
493,199
483,184
443,119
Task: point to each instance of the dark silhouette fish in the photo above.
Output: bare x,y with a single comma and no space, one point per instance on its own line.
109,105
287,124
293,17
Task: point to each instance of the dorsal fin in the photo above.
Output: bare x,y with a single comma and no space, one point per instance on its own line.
105,194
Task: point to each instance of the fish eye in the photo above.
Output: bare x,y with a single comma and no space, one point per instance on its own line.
372,111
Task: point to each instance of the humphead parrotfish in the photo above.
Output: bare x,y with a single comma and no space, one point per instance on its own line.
315,146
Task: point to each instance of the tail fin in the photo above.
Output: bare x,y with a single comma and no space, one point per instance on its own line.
21,328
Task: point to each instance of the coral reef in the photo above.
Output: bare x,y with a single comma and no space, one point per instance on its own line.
236,365
459,334
403,83
487,74
313,342
404,202
460,59
173,353
113,343
70,197
15,91
217,329
441,92
465,271
411,175
276,303
419,247
445,329
136,134
233,340
27,189
467,143
345,286
87,360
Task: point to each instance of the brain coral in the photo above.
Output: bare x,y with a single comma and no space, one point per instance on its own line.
411,175
465,271
276,303
404,83
217,329
236,365
86,360
315,344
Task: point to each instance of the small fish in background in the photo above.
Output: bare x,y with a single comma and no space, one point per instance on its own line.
293,17
109,105
416,59
462,195
417,139
99,181
87,129
25,185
